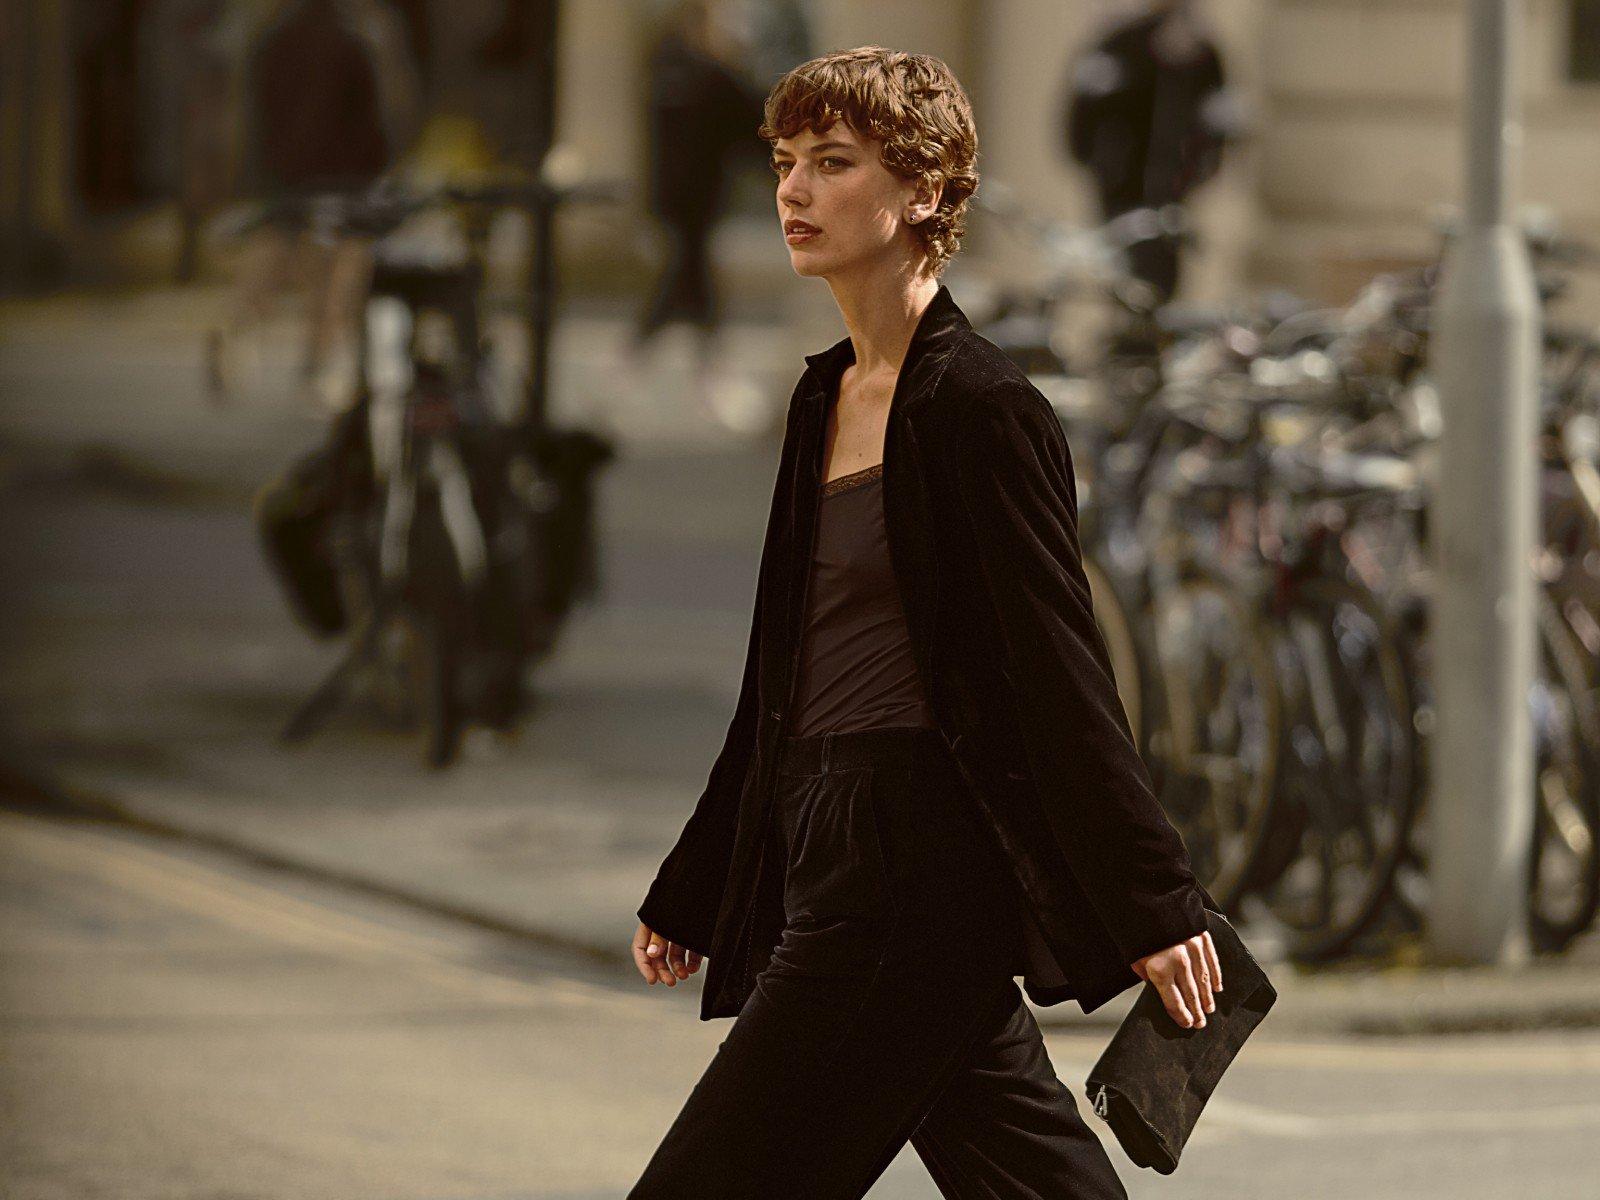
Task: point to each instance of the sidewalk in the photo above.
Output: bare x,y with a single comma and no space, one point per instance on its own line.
150,662
117,377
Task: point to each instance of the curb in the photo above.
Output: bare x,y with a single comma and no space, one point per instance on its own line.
101,467
1313,1008
1376,1004
29,791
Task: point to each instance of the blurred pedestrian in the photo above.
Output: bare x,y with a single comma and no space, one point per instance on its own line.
318,112
203,149
699,107
315,97
928,785
1148,115
384,31
777,38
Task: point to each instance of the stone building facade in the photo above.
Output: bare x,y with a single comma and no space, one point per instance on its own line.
1355,106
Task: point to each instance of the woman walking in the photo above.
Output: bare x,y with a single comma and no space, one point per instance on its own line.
929,785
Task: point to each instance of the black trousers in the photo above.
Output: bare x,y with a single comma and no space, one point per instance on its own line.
887,1011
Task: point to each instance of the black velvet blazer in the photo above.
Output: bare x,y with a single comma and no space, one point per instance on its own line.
980,511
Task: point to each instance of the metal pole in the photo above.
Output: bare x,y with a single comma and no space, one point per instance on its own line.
542,281
1487,505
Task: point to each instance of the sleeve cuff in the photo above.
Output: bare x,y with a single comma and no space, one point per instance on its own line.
656,913
1175,918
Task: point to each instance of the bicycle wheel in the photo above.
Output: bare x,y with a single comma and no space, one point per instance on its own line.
1128,664
437,676
1349,769
438,615
392,689
1220,728
1563,864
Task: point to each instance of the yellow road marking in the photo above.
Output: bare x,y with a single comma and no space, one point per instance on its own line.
257,909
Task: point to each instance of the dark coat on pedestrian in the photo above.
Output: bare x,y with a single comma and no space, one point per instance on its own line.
980,511
316,104
699,111
1147,130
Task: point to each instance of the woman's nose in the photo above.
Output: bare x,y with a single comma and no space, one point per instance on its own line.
790,189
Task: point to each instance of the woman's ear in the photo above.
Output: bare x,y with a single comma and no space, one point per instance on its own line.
925,201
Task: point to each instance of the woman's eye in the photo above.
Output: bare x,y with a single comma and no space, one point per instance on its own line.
779,167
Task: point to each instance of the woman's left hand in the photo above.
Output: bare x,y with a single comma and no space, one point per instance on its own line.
1185,975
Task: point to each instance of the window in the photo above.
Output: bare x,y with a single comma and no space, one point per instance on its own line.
1583,41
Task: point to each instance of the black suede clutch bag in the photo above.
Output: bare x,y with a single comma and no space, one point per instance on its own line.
1155,1076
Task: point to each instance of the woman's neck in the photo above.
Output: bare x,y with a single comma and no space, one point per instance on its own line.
881,314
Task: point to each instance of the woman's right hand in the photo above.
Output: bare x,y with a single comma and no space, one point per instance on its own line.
1186,975
660,959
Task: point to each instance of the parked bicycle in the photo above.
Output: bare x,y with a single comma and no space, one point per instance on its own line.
446,541
1254,527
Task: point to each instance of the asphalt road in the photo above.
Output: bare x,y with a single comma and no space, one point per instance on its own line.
175,1023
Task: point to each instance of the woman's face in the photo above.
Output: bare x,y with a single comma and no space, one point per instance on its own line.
836,183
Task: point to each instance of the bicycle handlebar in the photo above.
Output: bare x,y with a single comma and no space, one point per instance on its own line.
385,205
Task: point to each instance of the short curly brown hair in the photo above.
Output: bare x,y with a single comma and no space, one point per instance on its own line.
912,103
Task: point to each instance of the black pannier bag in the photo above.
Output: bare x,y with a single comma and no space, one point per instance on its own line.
294,514
557,493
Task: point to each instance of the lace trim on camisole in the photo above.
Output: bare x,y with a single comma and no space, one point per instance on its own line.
854,479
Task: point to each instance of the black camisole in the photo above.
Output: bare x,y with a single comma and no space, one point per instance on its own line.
856,666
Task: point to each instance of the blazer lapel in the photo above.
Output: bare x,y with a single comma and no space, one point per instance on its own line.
806,482
938,330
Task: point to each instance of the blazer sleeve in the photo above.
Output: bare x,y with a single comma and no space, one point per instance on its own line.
1016,482
683,901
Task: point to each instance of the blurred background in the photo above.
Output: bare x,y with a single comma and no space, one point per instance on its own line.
390,396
